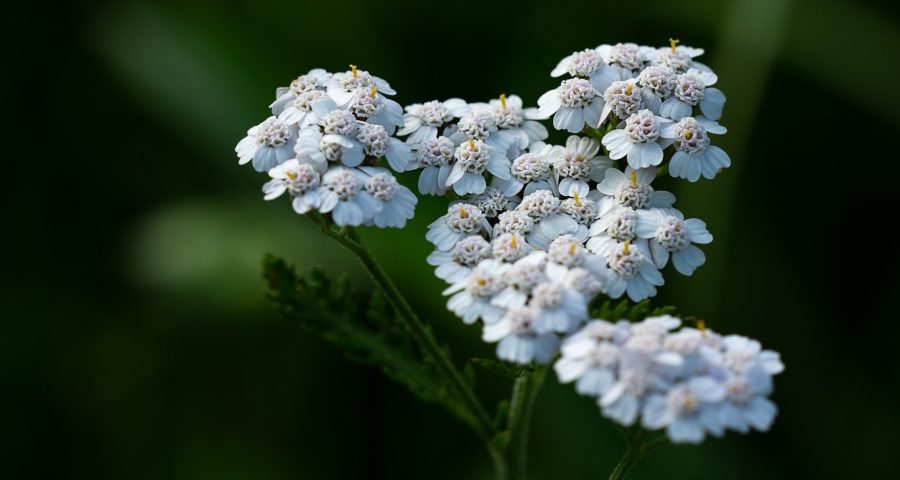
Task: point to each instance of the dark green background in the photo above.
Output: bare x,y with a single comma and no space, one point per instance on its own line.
136,340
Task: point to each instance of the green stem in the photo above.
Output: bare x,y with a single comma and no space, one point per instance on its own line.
349,239
638,446
521,410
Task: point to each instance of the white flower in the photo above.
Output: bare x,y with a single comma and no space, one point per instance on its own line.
300,180
627,57
614,226
539,204
267,144
632,189
315,80
335,121
660,80
513,221
578,163
671,234
740,354
423,121
434,156
510,117
494,201
629,268
642,363
689,91
641,140
509,247
398,204
377,143
748,383
321,149
746,405
590,357
622,402
549,228
622,99
573,105
371,106
694,155
530,170
472,295
342,86
457,264
299,110
473,157
588,64
681,60
688,410
557,307
518,342
519,280
343,194
477,124
461,220
582,210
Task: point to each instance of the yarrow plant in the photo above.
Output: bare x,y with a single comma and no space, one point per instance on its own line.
552,250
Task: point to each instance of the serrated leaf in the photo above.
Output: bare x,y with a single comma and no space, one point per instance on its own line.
362,326
621,310
502,367
666,310
638,311
626,310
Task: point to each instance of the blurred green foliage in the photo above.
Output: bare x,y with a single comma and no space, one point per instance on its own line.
137,341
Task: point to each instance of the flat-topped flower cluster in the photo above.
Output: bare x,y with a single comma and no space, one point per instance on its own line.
692,382
542,229
322,146
535,231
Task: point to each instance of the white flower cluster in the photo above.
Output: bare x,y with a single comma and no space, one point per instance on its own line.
455,143
528,267
691,382
322,146
655,98
537,231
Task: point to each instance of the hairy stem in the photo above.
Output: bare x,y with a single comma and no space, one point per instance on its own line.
521,409
349,239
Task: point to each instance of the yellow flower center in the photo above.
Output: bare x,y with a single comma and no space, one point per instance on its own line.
673,42
629,89
291,175
627,244
577,199
633,178
463,213
503,100
472,145
353,69
514,243
373,92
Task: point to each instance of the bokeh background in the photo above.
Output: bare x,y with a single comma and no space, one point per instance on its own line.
137,343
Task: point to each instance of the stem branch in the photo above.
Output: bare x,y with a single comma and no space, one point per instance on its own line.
638,446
